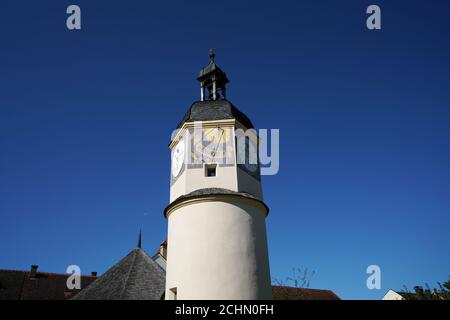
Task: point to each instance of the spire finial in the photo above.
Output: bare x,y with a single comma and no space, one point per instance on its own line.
139,244
212,55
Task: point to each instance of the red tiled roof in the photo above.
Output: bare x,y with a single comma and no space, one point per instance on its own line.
18,285
290,293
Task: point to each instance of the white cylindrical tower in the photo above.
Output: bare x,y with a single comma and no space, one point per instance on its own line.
217,243
217,247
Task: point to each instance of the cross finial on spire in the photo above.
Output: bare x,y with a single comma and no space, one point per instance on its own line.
139,244
212,55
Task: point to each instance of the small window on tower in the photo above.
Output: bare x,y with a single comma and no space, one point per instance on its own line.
210,170
173,294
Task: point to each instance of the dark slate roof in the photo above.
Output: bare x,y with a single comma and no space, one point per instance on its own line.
20,285
213,191
135,277
215,110
210,68
290,293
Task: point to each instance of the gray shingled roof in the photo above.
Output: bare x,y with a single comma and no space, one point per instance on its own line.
210,68
135,277
212,191
215,110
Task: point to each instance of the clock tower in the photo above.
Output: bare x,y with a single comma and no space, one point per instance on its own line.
217,244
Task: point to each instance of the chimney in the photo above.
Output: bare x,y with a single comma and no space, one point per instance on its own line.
94,273
33,270
163,249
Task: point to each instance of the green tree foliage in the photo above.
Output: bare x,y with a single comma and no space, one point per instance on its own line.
446,284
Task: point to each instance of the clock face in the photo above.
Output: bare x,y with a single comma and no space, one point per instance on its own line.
178,158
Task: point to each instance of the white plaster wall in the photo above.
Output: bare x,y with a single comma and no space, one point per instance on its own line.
179,187
246,183
225,178
392,295
218,250
194,179
229,177
160,261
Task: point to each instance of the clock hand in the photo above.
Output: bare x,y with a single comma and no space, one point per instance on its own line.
218,144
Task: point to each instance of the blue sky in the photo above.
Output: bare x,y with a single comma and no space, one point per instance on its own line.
86,117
